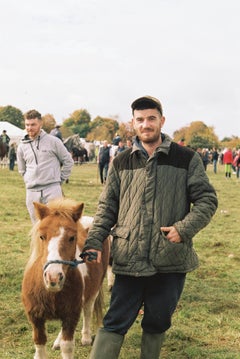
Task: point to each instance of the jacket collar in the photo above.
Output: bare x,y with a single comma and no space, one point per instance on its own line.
164,146
27,139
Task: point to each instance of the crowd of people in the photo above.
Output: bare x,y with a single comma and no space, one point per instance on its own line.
214,157
105,152
228,157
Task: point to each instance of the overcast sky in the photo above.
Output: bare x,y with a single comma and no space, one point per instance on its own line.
58,56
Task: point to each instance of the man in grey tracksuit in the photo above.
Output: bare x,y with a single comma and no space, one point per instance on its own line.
43,161
156,199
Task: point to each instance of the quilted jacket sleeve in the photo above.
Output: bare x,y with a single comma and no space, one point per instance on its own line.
203,198
107,212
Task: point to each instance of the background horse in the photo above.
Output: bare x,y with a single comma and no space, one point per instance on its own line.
76,147
3,153
73,141
55,285
79,156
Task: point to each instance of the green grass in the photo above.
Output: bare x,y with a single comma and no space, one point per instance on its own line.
206,323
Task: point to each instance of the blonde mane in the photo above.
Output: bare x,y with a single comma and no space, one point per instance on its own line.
34,245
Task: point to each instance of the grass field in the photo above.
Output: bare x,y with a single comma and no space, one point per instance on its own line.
206,323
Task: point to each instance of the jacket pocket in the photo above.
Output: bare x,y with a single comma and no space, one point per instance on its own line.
169,254
120,245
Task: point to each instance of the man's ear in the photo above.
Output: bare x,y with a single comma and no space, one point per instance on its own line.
162,121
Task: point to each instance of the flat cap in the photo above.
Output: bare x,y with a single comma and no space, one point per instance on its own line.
145,102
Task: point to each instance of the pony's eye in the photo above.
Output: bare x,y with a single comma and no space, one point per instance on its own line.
71,239
42,237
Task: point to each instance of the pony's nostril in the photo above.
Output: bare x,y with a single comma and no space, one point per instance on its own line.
60,276
53,284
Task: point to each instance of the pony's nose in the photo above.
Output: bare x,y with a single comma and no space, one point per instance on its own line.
53,280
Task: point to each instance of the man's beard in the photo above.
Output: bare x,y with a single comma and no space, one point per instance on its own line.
151,139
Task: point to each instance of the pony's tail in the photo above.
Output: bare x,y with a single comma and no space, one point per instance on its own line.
98,308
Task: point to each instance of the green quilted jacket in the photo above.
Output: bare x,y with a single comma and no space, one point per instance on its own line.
143,194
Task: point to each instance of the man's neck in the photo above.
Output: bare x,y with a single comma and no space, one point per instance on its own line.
35,137
151,147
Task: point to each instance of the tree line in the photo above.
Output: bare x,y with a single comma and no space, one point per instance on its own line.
196,135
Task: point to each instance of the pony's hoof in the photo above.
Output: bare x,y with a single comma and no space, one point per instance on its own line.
56,346
87,341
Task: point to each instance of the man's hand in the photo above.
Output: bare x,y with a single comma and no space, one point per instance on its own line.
88,258
172,234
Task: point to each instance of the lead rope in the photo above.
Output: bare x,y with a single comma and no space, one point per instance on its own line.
91,256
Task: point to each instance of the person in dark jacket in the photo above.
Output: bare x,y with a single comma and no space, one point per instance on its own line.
104,158
156,199
215,156
12,156
56,132
120,148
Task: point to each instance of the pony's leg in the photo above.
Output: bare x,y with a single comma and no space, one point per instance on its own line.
87,317
67,349
66,346
40,352
67,342
110,278
39,338
56,344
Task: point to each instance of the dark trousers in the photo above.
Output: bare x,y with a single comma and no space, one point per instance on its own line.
11,164
159,294
103,170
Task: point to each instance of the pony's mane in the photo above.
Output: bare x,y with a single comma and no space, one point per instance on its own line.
34,245
62,207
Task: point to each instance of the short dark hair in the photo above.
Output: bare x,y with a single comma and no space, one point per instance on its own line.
146,102
33,114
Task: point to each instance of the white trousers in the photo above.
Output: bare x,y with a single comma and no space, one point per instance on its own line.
43,196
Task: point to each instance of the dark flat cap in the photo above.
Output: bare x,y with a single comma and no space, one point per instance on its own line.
145,102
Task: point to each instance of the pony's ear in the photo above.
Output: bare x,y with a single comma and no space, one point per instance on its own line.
77,212
41,210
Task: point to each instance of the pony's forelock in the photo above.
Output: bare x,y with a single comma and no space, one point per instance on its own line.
63,207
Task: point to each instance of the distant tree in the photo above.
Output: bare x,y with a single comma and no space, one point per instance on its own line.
102,128
226,139
49,122
66,131
231,142
197,134
179,134
12,115
99,134
126,131
78,122
198,141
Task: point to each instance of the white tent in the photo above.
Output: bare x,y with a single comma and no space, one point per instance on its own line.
15,133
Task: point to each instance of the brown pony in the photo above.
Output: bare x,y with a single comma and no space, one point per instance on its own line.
56,283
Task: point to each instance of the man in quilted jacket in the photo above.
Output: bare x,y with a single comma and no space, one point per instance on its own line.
156,199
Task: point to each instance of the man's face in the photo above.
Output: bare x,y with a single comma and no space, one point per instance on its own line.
33,127
148,124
